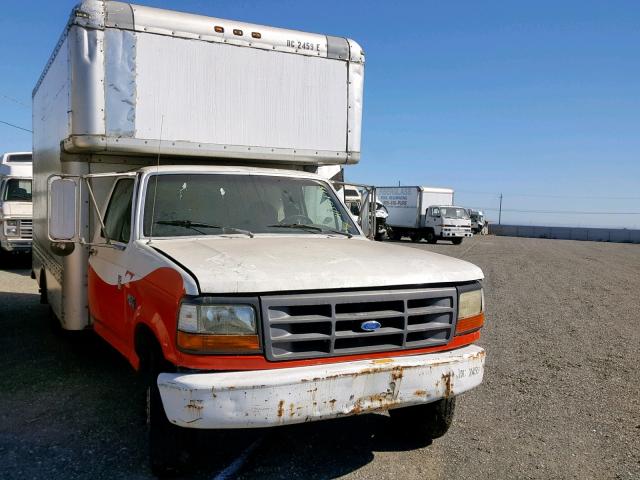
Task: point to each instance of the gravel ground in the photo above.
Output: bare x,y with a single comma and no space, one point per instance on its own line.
561,396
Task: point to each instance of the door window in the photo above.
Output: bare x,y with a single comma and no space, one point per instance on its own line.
17,190
117,222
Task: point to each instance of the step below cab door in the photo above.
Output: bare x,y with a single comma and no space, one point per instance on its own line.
108,268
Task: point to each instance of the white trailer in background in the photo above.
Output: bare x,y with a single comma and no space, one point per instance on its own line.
247,296
424,212
15,202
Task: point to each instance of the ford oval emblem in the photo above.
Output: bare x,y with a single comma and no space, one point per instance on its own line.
370,326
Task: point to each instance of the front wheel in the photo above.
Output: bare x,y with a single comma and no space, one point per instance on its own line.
456,241
431,237
169,445
425,422
395,235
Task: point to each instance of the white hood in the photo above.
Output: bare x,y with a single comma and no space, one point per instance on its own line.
287,263
16,209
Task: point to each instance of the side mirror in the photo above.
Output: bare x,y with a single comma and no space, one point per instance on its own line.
63,214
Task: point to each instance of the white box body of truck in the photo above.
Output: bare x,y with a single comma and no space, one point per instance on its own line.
424,212
184,213
16,226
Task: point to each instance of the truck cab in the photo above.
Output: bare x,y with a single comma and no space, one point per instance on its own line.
352,199
477,220
16,223
260,302
447,222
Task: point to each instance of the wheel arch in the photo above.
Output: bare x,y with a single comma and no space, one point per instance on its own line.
145,344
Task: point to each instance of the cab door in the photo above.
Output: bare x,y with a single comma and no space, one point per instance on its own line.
108,272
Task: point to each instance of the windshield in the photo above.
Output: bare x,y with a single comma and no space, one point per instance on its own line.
19,157
17,190
213,204
452,212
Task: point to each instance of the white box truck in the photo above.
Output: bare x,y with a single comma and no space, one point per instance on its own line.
424,212
184,213
15,202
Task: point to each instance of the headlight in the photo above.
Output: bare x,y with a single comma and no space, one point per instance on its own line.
470,303
11,228
218,328
470,309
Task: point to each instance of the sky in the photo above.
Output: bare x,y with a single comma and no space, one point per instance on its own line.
537,101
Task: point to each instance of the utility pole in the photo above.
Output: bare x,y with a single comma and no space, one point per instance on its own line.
500,211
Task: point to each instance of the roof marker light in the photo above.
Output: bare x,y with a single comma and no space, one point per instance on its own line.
218,29
237,32
256,34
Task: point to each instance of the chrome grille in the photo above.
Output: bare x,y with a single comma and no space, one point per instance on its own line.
330,324
26,228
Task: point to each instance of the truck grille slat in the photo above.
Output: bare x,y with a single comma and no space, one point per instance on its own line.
26,228
362,316
428,326
331,324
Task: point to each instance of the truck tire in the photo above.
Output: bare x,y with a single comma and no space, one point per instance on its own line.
431,237
415,237
425,422
44,300
395,235
456,241
169,445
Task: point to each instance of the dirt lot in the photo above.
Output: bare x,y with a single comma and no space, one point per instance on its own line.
561,397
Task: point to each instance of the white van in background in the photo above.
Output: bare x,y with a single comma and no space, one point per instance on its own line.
16,225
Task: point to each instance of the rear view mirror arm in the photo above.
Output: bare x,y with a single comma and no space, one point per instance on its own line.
97,209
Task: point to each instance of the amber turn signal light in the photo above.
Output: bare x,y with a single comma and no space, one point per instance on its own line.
201,343
469,324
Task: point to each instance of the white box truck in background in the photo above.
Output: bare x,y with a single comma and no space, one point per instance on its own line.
247,296
15,202
424,212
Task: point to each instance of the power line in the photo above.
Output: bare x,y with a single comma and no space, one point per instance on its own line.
16,126
14,100
539,195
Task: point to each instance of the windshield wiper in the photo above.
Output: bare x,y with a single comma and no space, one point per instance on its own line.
310,228
197,225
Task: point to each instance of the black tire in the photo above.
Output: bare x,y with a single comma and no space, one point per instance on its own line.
415,237
456,241
170,446
425,422
44,299
430,237
395,235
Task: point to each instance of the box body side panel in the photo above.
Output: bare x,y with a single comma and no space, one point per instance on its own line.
402,204
224,94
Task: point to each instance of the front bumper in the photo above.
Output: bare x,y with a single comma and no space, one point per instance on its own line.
15,244
250,399
456,233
